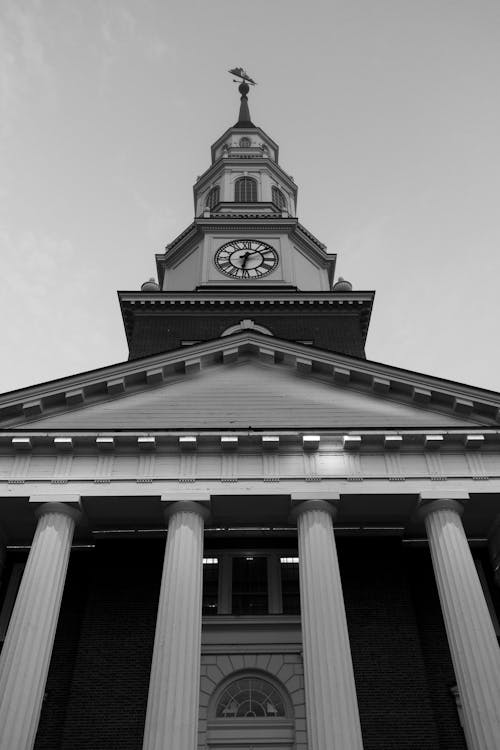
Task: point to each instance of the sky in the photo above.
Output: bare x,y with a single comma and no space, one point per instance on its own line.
387,114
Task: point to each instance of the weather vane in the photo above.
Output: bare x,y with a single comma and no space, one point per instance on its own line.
243,75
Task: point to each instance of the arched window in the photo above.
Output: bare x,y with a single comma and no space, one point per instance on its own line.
250,697
245,142
213,197
245,190
278,198
246,325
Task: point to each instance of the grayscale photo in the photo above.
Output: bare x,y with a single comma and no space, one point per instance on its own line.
250,385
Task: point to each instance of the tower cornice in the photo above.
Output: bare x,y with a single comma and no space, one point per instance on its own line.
244,301
215,169
240,132
244,223
238,222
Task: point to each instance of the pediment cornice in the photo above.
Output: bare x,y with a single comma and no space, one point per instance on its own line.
475,406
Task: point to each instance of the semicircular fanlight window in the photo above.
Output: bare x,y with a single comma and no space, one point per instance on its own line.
250,697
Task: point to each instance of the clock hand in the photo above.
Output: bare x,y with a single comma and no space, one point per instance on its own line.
245,258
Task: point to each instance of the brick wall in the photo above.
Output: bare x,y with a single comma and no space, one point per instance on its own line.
338,332
395,702
117,587
64,655
99,675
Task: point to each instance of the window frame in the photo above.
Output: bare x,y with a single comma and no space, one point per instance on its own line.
210,203
281,203
252,183
225,584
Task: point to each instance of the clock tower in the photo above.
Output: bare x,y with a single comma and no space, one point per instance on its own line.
245,261
261,536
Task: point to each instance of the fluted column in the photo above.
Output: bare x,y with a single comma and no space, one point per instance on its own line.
25,657
172,712
331,702
471,637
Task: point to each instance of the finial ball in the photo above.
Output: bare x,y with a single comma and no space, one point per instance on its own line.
342,285
243,88
150,286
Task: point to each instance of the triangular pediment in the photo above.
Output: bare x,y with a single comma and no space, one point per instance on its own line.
248,394
249,380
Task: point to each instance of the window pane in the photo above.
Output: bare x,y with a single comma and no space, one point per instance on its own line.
278,198
250,697
213,197
290,591
210,585
245,190
249,586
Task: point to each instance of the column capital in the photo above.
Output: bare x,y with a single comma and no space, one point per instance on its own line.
200,507
68,505
302,502
430,502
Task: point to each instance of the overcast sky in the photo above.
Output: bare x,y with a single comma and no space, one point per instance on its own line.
387,113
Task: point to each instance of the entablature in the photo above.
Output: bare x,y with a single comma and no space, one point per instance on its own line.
275,300
281,440
127,507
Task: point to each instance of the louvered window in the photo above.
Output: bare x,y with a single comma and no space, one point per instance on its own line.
213,197
245,190
278,198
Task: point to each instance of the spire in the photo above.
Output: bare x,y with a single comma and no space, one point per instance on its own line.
244,120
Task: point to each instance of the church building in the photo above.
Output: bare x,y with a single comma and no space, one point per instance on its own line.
248,536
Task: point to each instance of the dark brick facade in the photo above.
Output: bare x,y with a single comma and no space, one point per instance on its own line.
98,681
104,700
337,332
403,687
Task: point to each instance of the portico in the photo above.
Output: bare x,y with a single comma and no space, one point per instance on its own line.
327,661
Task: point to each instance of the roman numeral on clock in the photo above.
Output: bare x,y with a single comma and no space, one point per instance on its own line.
246,259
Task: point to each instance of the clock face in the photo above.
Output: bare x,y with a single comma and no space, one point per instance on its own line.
246,259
